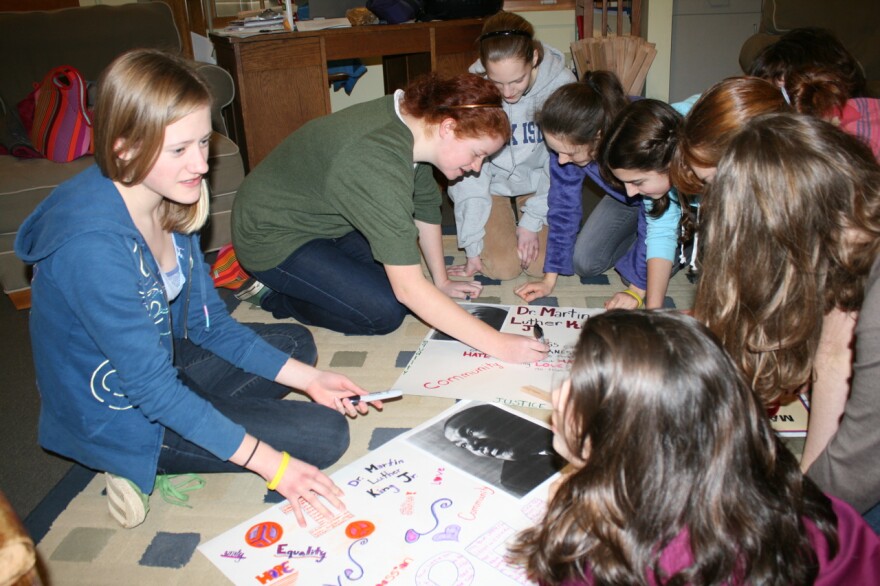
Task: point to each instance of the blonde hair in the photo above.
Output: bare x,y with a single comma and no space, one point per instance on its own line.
139,95
791,228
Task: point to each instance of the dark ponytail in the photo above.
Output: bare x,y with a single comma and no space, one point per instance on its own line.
581,112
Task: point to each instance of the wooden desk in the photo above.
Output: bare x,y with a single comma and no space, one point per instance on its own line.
281,79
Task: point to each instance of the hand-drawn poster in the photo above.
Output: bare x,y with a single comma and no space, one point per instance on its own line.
436,505
792,418
444,367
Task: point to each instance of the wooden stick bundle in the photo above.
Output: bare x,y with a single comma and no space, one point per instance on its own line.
627,56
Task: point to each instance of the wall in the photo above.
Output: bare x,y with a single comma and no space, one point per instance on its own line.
707,36
657,22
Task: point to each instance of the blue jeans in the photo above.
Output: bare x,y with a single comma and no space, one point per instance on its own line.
334,284
609,232
307,431
872,516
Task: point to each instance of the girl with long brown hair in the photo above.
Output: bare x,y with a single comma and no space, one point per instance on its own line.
573,120
677,476
791,260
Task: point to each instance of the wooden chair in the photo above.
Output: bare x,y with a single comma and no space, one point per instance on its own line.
18,556
627,55
609,8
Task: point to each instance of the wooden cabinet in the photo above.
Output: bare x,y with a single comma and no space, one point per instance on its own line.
281,79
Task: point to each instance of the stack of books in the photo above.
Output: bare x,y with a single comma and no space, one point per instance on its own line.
267,21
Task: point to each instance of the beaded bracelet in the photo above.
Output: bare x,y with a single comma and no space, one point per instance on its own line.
285,460
635,296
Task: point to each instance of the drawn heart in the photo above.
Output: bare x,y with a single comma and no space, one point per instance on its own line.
450,534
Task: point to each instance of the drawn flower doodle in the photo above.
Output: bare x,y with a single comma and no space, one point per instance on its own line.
449,534
412,535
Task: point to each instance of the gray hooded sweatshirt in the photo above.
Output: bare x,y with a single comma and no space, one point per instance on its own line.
520,168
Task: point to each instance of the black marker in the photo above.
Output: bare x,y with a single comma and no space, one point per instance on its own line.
539,333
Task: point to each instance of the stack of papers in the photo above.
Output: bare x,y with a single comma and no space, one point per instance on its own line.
318,24
265,19
242,32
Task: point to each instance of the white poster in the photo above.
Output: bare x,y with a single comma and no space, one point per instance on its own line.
443,367
436,505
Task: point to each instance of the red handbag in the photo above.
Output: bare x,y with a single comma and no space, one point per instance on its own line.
62,128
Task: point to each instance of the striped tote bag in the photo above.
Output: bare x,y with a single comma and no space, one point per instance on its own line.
62,129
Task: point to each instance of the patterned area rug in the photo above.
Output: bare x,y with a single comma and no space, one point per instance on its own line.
85,546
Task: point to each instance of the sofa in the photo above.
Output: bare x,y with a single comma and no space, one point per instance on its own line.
855,23
89,38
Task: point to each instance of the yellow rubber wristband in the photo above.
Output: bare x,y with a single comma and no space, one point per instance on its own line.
285,460
635,296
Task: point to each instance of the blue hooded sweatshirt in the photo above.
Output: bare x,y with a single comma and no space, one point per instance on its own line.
102,334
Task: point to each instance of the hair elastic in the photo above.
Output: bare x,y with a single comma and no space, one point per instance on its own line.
785,95
589,79
254,451
505,33
471,106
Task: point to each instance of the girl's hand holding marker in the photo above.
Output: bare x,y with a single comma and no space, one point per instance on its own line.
376,397
538,331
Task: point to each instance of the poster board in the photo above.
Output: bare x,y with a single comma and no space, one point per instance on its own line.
421,509
443,367
791,420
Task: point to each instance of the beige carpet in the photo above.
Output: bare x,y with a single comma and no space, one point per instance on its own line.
85,546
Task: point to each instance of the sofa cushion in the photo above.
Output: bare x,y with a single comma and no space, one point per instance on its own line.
89,38
224,177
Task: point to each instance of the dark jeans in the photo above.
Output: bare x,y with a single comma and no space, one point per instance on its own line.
872,516
307,431
334,284
609,232
607,235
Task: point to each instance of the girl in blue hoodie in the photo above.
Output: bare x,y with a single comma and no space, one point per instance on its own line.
141,370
